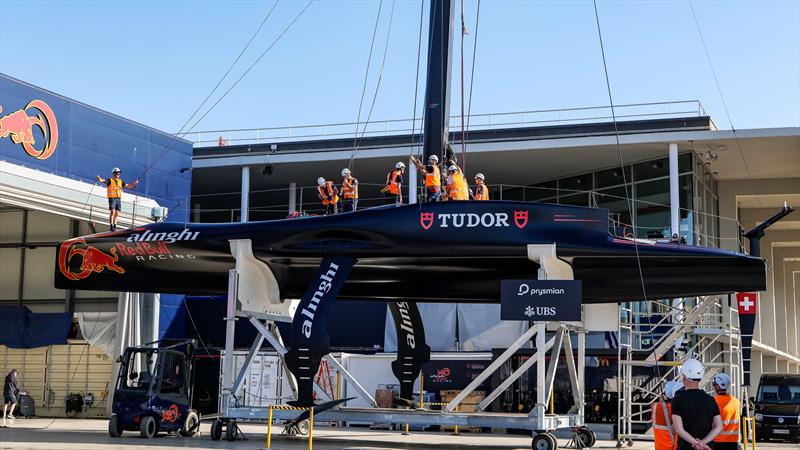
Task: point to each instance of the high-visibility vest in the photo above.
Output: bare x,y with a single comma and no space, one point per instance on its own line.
457,187
329,188
433,179
392,183
481,192
729,411
663,433
350,188
114,188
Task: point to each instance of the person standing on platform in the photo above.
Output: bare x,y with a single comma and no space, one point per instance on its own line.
433,178
481,190
730,410
349,191
457,188
114,187
10,392
663,432
328,195
695,414
393,191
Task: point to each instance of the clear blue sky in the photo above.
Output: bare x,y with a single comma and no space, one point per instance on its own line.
153,62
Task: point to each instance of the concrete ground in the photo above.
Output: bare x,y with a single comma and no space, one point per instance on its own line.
84,434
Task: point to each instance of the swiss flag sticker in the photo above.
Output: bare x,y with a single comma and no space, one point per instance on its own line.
746,302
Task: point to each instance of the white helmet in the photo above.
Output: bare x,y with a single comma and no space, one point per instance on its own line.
480,175
692,369
320,181
433,158
115,170
671,388
723,380
400,165
345,172
453,168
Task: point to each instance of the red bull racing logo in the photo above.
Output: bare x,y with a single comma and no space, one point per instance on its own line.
92,260
171,415
19,127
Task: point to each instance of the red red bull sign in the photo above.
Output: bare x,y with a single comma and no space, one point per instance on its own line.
19,126
92,260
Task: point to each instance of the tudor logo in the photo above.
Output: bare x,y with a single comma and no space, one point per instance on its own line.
520,218
426,220
472,220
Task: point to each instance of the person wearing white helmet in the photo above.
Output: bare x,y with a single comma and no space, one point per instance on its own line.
114,187
349,191
328,195
433,177
661,414
393,191
729,410
695,414
456,188
481,190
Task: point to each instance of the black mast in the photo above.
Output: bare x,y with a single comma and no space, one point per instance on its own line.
437,86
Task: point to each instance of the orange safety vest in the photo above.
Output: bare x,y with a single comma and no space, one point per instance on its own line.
114,188
350,188
457,187
433,179
481,192
392,183
329,186
665,438
729,411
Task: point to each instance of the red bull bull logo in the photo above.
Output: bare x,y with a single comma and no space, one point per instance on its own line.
19,127
92,260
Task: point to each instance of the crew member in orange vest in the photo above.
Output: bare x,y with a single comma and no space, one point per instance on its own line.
114,187
664,434
730,410
349,191
481,190
433,177
394,185
328,194
457,188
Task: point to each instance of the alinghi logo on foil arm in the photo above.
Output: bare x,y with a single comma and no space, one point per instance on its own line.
323,288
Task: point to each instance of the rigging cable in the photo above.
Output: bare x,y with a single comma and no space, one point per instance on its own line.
377,85
463,140
364,87
722,98
416,80
472,72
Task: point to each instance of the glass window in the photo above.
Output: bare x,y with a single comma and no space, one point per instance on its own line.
685,162
615,201
577,200
651,169
652,207
567,186
686,213
141,371
546,191
612,177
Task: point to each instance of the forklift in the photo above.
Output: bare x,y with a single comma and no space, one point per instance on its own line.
152,393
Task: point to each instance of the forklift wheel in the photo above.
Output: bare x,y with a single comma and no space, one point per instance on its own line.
114,426
216,430
147,428
190,425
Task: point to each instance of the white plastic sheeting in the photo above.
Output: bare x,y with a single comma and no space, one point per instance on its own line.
439,321
99,330
480,328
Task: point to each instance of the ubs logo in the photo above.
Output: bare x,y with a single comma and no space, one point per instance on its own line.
19,127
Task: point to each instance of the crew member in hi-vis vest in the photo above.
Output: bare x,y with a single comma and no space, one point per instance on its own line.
114,187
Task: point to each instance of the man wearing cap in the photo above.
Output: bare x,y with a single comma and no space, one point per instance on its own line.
729,410
695,414
10,392
663,433
114,187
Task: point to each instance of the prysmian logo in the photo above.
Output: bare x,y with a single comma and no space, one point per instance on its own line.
524,289
149,236
323,288
472,220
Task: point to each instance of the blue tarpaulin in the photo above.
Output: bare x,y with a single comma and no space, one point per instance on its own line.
21,328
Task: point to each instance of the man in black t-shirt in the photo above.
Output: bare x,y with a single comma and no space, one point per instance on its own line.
695,414
10,392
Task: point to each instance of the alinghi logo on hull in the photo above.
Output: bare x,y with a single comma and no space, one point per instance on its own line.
149,236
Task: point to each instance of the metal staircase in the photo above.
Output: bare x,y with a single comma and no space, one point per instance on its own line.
655,337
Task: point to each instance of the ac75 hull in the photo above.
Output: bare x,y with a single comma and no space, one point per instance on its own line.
436,252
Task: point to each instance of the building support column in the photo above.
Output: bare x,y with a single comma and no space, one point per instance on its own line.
245,206
292,197
674,191
412,183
